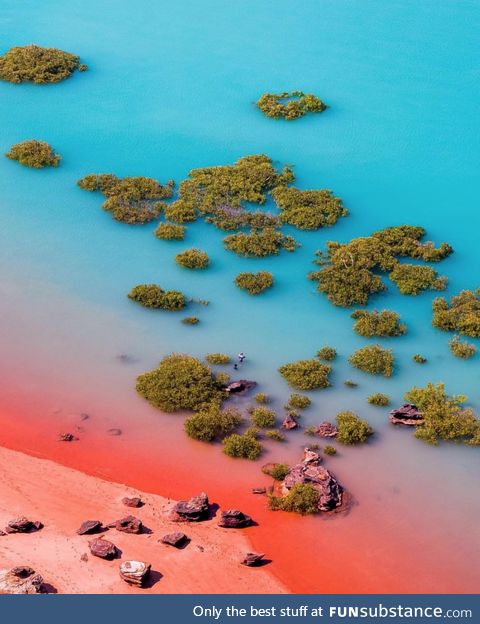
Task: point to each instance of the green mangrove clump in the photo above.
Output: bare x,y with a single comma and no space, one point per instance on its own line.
444,417
306,374
352,429
259,243
33,63
245,446
35,154
289,105
411,279
329,450
327,353
263,417
153,296
231,219
373,359
308,210
276,471
193,259
350,384
212,423
348,273
218,358
254,283
132,200
302,498
461,314
170,231
191,320
462,348
419,359
380,399
298,401
275,434
384,323
262,398
181,382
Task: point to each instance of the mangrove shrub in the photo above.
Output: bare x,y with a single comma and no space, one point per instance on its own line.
384,323
373,359
193,259
352,429
254,283
33,63
289,105
461,314
153,296
306,374
35,154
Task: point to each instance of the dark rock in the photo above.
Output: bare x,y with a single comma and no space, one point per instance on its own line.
175,539
100,547
23,525
84,557
132,502
253,559
289,422
90,526
129,524
240,387
310,471
135,572
84,416
114,431
234,519
67,437
327,430
408,414
20,580
259,490
193,510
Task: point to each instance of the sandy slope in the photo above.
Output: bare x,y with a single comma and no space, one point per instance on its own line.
62,498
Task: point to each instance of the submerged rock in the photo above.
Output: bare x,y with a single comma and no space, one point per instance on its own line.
67,437
100,547
114,431
132,502
23,525
289,422
193,510
20,580
240,387
408,414
326,430
175,539
135,572
129,524
259,490
253,559
234,519
89,526
312,472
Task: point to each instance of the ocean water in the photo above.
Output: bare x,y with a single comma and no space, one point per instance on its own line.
171,87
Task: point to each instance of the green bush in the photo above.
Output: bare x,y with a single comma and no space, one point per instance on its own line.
191,320
180,212
245,446
254,283
350,384
259,243
444,417
193,259
212,423
461,314
263,417
310,431
181,382
373,359
411,279
218,358
170,231
231,219
223,379
330,450
308,210
379,399
298,401
462,348
289,105
384,323
262,398
419,359
35,154
306,374
33,63
327,353
153,296
277,471
303,499
275,434
352,429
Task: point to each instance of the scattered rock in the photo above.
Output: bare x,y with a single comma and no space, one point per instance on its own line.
259,490
132,502
135,572
100,547
408,414
234,519
114,431
67,437
327,430
253,559
193,510
84,416
240,387
23,525
90,526
84,557
129,524
310,471
20,580
176,539
289,422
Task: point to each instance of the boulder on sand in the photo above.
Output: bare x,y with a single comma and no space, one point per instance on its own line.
67,437
234,519
193,510
289,422
408,414
129,524
326,430
20,580
135,572
259,490
23,525
310,471
89,526
100,547
175,539
253,559
242,386
132,502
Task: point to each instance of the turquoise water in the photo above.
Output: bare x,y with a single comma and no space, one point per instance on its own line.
171,87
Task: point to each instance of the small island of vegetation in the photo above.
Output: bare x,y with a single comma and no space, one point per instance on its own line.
373,359
411,279
259,243
193,259
39,65
254,283
306,374
298,401
170,231
308,210
384,323
327,353
263,417
419,359
212,423
153,296
462,348
245,446
289,105
35,154
461,314
380,399
218,358
302,498
352,429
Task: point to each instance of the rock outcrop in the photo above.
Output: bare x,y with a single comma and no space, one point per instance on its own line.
23,525
132,502
67,437
100,547
234,519
20,580
135,572
89,526
311,471
408,414
326,430
289,422
129,524
242,386
253,559
193,510
178,539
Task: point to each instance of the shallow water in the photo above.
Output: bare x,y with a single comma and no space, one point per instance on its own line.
171,88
